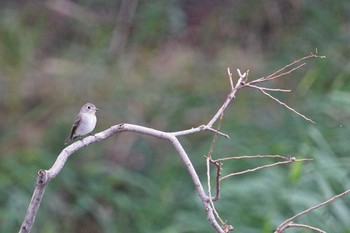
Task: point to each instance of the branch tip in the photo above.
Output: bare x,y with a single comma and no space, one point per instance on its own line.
230,78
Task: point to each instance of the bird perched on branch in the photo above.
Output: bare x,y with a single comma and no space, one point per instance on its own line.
84,122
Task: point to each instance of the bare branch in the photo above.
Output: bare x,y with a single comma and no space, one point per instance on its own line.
196,130
262,167
244,76
38,194
271,77
268,89
217,178
230,78
209,160
217,193
230,96
258,156
286,106
45,176
205,199
218,132
284,225
276,73
290,225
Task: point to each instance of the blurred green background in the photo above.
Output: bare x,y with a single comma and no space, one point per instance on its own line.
162,64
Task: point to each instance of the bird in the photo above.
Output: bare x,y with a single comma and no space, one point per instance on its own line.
84,122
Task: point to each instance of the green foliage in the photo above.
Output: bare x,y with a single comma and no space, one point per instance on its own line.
170,76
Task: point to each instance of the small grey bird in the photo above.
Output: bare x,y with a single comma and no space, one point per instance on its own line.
84,122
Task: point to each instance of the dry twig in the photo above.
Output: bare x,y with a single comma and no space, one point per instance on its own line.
288,223
286,160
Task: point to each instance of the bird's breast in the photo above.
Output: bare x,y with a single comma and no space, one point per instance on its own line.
86,125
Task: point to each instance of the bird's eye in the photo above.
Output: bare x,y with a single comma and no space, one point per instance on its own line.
89,107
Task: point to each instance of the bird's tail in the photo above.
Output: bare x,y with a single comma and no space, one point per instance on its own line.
68,140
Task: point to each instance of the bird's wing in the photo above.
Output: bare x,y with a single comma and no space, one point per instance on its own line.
74,128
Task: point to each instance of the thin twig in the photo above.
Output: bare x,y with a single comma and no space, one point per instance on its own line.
218,132
263,79
284,225
262,167
286,106
269,78
230,96
196,130
230,78
268,89
218,166
243,76
210,196
211,150
259,156
290,225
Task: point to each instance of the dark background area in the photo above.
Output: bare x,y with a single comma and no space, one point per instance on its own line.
163,64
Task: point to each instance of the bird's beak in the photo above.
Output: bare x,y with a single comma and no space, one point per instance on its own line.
97,109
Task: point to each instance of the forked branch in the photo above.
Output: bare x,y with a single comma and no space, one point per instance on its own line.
288,223
45,176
